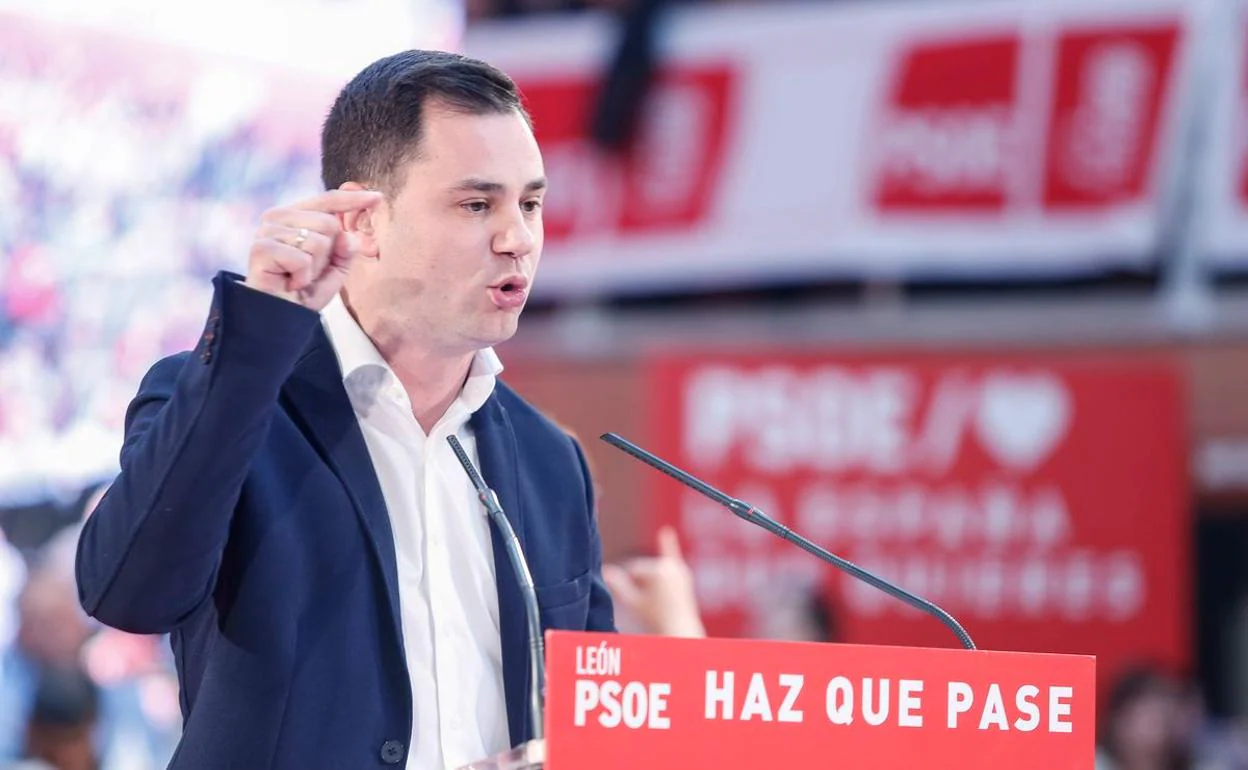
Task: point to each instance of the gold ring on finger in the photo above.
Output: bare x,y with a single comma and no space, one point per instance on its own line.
300,238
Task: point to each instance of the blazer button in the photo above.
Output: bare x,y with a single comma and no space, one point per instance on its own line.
392,752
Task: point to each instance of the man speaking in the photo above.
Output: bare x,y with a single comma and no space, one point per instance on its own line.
288,506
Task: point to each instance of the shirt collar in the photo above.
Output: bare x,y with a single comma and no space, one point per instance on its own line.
364,367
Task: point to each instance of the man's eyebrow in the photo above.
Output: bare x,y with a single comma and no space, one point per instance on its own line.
476,184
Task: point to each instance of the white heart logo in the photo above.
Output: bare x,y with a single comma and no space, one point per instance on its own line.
1022,417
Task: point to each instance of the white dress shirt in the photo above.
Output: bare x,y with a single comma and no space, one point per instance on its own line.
447,595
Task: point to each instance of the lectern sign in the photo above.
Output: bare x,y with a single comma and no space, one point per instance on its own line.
616,701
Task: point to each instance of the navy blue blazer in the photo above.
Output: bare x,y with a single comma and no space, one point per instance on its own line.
247,522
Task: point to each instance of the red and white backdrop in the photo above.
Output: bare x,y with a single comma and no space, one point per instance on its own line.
1042,500
952,137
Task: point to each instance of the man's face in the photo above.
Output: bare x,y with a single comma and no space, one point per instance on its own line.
457,247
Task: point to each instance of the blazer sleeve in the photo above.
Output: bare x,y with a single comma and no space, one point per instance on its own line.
601,611
148,555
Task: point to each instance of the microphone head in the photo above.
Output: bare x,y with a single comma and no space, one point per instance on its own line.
473,475
458,449
621,443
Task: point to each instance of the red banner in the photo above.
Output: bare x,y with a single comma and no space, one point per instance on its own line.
1042,501
956,132
623,701
852,139
1111,84
948,137
667,181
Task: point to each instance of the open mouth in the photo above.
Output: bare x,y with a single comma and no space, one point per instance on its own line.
511,293
512,283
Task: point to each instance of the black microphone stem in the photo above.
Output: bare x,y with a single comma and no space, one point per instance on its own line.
537,653
755,516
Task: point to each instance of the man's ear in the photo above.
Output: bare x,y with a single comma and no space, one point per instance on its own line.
360,225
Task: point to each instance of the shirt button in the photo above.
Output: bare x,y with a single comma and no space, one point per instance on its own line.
392,752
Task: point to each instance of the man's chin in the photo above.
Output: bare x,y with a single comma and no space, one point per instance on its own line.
497,334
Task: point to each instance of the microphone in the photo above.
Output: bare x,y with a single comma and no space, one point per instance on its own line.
753,515
537,654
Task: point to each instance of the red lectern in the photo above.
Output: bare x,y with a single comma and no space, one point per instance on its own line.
618,701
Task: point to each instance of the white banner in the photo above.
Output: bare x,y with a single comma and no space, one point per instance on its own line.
1221,211
861,139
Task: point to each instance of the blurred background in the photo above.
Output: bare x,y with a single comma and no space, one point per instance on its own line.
954,287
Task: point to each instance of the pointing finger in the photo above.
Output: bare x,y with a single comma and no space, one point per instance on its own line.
669,543
340,201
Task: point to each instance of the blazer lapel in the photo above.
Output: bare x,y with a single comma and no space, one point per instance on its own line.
496,450
316,393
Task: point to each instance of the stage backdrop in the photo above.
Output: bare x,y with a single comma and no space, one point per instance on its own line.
1041,500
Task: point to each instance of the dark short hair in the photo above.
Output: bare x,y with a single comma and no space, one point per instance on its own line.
376,123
